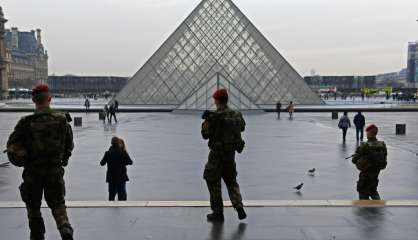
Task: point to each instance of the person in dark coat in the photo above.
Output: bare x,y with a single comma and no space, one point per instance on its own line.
117,158
278,109
87,104
117,106
112,113
359,122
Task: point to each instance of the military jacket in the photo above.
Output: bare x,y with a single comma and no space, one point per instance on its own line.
46,137
224,130
371,156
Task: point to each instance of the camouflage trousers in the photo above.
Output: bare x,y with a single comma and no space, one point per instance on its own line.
48,182
222,166
367,186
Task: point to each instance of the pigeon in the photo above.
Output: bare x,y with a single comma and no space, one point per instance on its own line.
5,164
312,171
299,187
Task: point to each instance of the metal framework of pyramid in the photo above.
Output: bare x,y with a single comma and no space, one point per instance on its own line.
216,47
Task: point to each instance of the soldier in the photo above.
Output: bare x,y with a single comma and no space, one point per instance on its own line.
370,158
42,143
223,129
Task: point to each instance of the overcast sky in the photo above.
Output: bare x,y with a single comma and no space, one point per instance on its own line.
116,37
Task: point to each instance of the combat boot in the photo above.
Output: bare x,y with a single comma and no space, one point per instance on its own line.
36,237
241,213
66,232
215,217
376,196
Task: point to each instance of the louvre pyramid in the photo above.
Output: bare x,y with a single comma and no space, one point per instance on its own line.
216,47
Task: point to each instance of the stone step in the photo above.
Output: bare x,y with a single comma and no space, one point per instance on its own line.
247,203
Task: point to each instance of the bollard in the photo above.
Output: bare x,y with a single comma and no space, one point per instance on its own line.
400,129
102,116
335,115
78,122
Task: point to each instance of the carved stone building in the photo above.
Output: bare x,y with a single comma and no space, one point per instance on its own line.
28,64
3,57
86,84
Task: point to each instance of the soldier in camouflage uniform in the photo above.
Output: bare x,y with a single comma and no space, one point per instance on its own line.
370,158
42,143
223,129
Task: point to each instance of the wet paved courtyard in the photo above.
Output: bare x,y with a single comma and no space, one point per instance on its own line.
262,224
169,156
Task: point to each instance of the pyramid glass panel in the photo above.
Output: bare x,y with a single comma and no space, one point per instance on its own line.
216,47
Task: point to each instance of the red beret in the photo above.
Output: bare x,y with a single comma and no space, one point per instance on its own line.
372,128
221,94
41,88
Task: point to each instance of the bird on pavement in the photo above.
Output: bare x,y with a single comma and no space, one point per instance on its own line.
5,164
312,171
299,187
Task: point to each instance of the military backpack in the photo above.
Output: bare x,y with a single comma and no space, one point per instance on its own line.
47,138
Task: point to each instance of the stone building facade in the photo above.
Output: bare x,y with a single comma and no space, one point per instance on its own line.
28,63
341,82
4,56
412,69
86,84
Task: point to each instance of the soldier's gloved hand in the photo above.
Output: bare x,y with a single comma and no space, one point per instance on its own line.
206,114
205,126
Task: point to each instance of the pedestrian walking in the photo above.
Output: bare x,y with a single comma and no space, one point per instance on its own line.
106,114
116,105
291,110
87,104
223,128
112,113
42,143
370,159
359,122
116,159
344,125
278,109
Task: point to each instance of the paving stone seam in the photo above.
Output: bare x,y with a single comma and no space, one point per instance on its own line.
248,203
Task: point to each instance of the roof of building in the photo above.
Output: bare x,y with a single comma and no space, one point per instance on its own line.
27,42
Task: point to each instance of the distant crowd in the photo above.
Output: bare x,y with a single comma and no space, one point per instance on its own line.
109,110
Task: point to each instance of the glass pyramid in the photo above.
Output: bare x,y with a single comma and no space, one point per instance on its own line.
216,47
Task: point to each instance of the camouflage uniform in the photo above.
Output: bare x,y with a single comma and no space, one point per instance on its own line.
224,134
48,140
370,158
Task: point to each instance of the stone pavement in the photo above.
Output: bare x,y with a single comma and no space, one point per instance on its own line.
188,223
169,156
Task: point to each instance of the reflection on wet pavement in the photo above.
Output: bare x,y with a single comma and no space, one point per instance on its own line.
296,223
217,232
